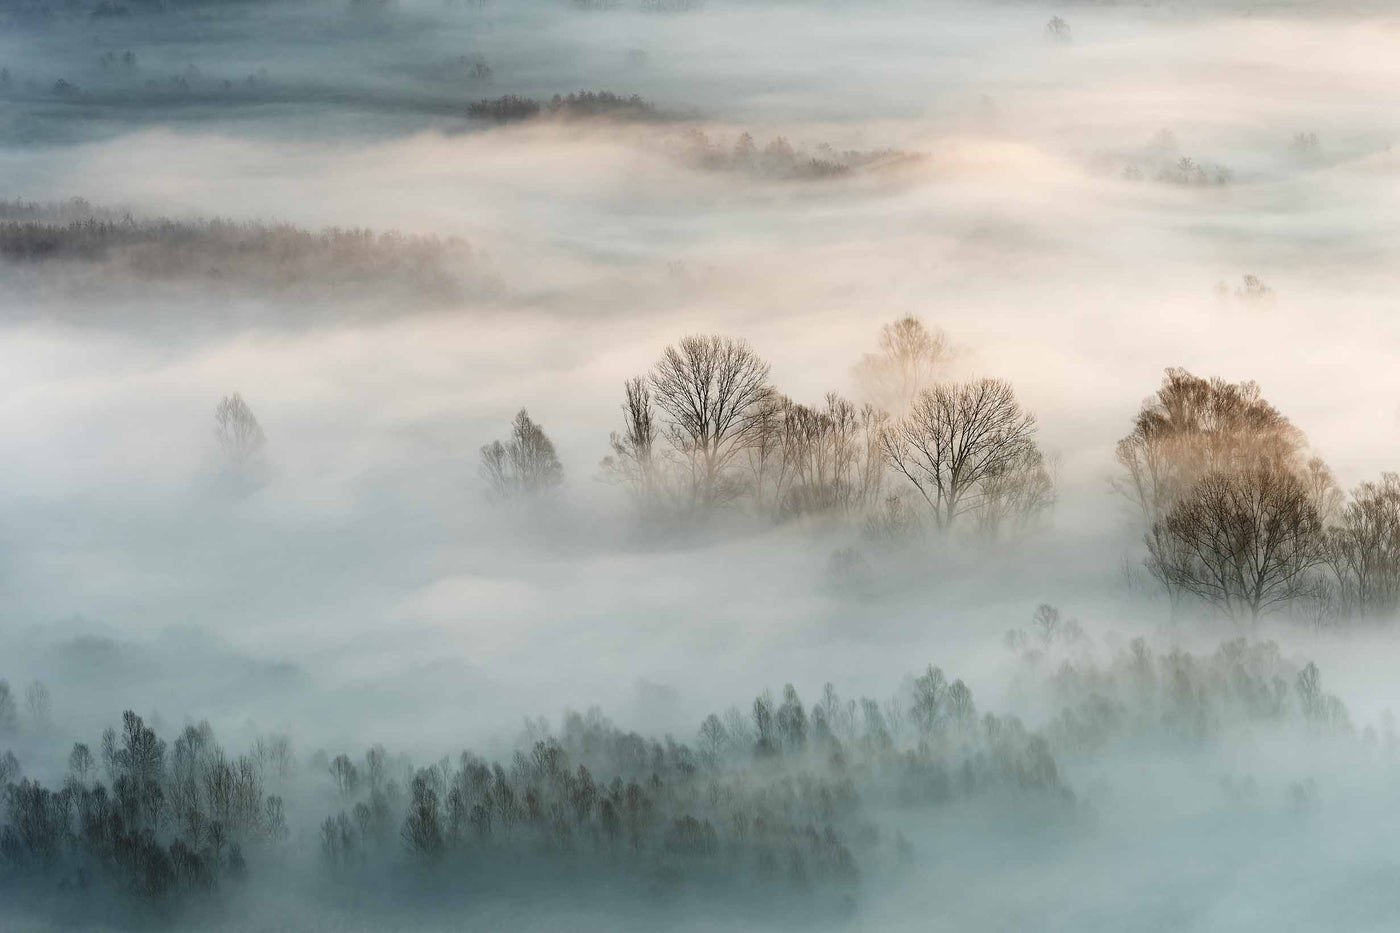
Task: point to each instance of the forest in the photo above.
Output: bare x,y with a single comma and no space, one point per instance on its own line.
657,464
775,797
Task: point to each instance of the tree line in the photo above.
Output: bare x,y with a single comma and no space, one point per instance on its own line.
705,432
573,106
779,159
167,823
779,796
784,794
1240,517
1174,697
271,256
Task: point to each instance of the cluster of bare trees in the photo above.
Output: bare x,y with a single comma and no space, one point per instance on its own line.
780,160
1363,550
1242,517
705,429
712,393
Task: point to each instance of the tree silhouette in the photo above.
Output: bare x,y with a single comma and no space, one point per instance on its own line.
910,359
1057,30
525,467
80,763
40,703
959,443
240,437
1243,541
1363,548
708,389
9,714
635,462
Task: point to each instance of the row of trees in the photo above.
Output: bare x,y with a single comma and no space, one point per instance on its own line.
705,430
1243,517
580,105
777,794
1239,514
220,254
782,792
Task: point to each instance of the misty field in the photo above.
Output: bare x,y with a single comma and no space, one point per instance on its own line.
699,465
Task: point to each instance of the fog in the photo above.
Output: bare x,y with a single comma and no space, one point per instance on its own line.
375,229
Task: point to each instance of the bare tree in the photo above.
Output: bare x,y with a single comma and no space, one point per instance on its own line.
9,717
80,763
1045,621
907,362
831,458
708,389
1322,488
822,459
345,775
635,462
1057,30
930,692
1244,541
422,829
1018,497
869,457
1363,549
961,708
958,443
240,437
810,436
713,740
524,467
767,453
40,704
